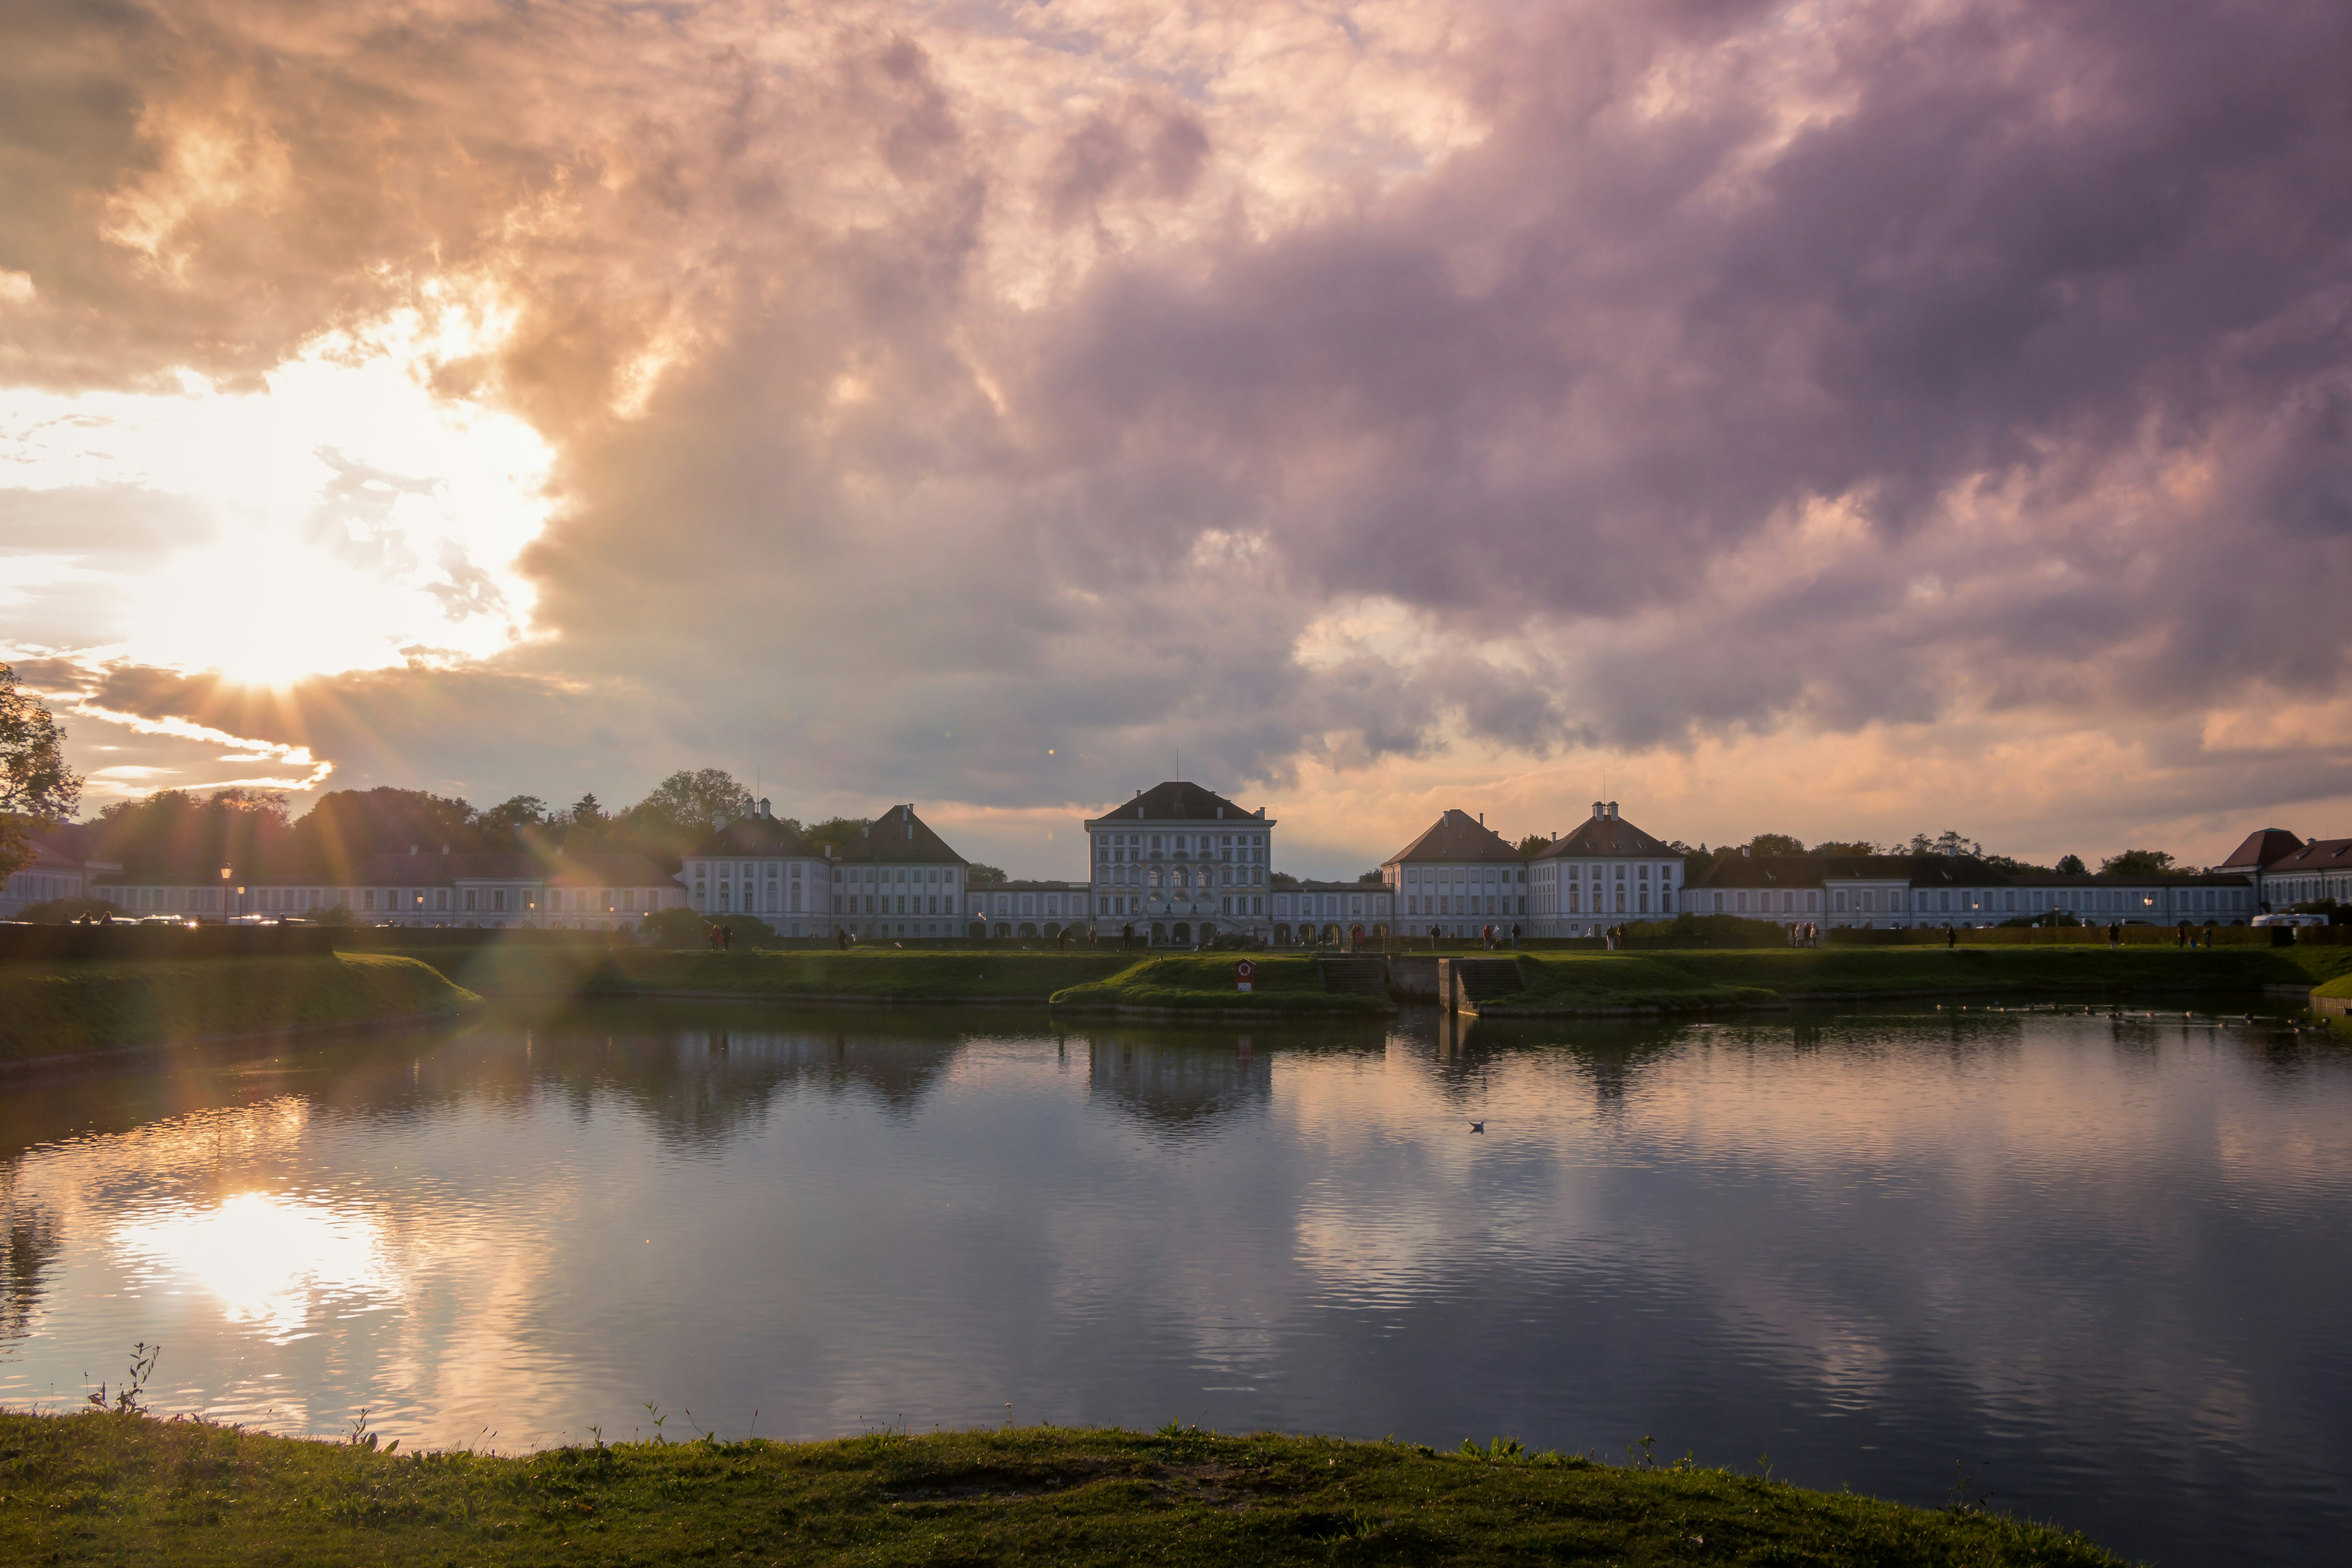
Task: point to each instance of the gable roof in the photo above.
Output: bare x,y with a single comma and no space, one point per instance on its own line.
1455,836
607,871
1599,835
439,869
1177,801
2319,855
899,837
756,834
2261,847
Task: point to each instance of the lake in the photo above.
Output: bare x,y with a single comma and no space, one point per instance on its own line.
2087,1267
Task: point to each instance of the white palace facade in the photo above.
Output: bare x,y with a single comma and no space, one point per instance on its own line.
1181,866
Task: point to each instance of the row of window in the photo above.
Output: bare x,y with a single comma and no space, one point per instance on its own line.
1550,872
1180,876
1470,904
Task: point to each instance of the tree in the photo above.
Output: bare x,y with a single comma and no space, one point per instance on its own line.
588,812
349,826
695,801
1944,842
1775,844
839,831
1534,844
504,824
37,791
176,833
2137,863
1845,847
2071,866
1374,875
979,876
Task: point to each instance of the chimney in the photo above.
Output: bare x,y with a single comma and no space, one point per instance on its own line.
1599,811
1260,811
1743,852
764,808
1482,819
1613,811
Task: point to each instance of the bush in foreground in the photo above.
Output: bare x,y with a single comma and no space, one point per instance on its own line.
112,1488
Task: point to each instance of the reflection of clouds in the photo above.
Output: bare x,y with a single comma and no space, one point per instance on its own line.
269,1260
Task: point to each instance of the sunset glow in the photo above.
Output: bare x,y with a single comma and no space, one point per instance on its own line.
1842,419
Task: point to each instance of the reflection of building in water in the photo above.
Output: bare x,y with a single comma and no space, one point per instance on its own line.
1180,1086
27,1245
704,1085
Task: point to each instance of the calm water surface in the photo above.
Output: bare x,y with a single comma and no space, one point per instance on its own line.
2097,1268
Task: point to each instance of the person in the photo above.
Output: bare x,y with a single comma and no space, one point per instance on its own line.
1951,936
2114,933
1515,936
841,938
1126,935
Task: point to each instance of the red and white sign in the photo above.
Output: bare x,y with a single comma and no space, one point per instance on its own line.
1241,972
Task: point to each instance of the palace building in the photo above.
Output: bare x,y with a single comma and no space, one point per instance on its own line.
1607,872
1458,878
1179,865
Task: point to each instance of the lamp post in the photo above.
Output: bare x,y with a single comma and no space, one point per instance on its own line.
225,870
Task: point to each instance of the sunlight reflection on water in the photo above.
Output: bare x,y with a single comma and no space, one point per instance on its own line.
2094,1263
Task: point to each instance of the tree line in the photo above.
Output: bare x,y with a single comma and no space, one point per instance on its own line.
254,832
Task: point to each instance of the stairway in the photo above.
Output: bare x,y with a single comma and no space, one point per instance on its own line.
1355,976
1470,983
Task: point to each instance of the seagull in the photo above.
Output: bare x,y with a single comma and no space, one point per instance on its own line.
1477,1127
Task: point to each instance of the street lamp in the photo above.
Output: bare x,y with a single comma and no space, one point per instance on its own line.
224,895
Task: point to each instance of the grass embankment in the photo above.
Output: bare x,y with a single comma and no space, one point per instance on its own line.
1203,982
74,1009
108,1488
1590,981
875,975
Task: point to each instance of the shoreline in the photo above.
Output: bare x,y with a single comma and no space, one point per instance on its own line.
115,1486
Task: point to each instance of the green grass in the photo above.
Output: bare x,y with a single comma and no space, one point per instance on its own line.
1204,981
874,975
2339,986
1186,983
109,1488
56,1009
1667,979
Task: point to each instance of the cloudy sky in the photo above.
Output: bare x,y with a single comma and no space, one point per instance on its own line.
1825,418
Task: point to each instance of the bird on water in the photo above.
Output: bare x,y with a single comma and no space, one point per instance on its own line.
1477,1127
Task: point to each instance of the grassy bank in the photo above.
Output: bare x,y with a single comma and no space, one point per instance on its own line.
62,1009
1203,982
866,974
1603,981
107,1488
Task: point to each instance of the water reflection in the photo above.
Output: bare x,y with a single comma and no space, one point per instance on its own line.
2101,1252
274,1261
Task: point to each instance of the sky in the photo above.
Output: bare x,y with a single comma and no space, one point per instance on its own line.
1838,419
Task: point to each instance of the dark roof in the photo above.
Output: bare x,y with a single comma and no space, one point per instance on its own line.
436,869
1456,836
607,871
1177,802
2319,855
1924,872
1601,835
899,837
756,834
2261,847
1027,888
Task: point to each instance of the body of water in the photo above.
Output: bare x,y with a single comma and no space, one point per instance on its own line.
2092,1268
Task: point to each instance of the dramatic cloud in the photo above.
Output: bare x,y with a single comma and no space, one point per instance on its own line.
1380,403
